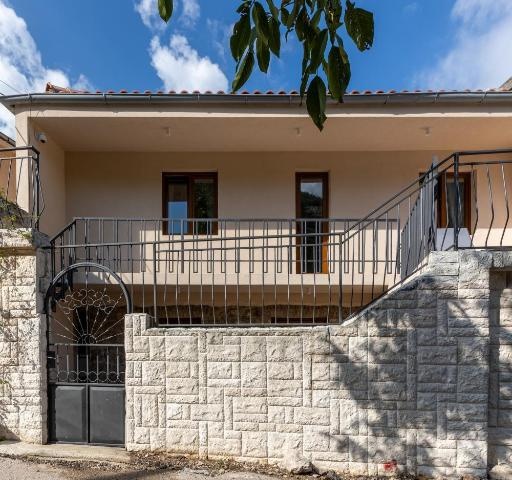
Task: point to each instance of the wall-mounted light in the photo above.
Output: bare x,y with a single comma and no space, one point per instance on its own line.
41,137
427,130
298,131
167,131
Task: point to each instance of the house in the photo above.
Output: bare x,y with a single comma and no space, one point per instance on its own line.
211,275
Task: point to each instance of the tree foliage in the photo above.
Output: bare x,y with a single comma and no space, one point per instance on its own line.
318,26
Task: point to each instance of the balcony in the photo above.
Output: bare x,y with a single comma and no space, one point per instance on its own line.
287,271
21,198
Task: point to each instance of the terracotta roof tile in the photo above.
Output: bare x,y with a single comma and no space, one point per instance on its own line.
50,88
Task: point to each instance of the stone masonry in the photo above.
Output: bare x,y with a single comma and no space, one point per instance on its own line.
500,391
23,403
405,382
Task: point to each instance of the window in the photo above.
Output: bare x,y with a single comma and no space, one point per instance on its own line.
312,202
188,198
448,200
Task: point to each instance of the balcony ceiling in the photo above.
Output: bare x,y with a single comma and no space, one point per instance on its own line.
164,131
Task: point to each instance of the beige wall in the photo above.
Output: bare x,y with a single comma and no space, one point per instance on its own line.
250,184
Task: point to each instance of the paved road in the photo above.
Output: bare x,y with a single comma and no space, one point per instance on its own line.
16,469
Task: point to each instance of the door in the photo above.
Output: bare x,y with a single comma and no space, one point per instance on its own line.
312,202
86,358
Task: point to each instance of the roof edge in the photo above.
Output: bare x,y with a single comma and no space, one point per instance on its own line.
366,98
7,139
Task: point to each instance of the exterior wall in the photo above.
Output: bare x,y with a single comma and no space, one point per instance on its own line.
23,398
251,185
406,381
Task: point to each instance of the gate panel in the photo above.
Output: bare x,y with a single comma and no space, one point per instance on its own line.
68,413
86,305
106,407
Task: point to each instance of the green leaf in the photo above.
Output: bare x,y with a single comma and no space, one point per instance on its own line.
290,21
261,21
244,71
273,9
274,40
285,15
301,24
360,26
315,19
240,37
338,72
165,8
318,50
315,102
263,55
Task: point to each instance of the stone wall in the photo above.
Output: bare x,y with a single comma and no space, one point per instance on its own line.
404,383
500,392
23,402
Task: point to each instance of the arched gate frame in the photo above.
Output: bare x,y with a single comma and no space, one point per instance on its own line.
85,307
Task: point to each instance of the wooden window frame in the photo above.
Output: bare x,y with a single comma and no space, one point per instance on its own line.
191,176
299,176
465,195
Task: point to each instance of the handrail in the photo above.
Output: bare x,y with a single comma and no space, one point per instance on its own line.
211,271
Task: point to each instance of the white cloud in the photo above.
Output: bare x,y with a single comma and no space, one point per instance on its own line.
21,65
480,56
180,67
190,12
220,33
148,11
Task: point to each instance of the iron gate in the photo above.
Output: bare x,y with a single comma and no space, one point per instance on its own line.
85,307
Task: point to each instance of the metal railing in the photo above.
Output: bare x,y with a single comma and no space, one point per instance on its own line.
268,271
460,202
21,198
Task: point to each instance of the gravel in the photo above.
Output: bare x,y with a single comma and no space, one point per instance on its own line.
149,467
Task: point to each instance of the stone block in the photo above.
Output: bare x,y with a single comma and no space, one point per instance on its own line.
219,370
284,349
153,373
254,444
312,416
437,374
250,405
254,374
472,379
181,348
437,355
388,350
281,371
254,349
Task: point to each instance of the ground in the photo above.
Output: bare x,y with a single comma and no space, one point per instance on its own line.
142,468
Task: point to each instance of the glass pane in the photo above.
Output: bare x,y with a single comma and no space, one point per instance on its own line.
204,203
311,198
451,194
311,206
177,208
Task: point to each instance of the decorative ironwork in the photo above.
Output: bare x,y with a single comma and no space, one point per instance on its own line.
86,305
248,272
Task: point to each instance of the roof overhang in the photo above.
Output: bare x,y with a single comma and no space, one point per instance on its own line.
437,121
162,99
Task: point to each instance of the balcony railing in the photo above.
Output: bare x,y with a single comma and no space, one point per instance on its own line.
267,271
21,198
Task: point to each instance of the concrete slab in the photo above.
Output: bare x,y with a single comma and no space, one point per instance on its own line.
88,453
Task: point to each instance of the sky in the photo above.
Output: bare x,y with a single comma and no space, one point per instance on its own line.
122,44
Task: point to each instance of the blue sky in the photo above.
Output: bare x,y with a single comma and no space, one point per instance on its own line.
120,44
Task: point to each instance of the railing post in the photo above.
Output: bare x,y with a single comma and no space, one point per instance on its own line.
457,202
38,191
340,278
155,309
